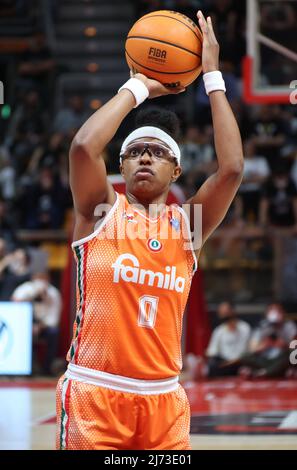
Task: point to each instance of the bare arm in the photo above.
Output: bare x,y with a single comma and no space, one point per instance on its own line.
88,179
218,191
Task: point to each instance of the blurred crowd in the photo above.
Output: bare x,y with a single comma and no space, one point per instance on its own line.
237,349
23,280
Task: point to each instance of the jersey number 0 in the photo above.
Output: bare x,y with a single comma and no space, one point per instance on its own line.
147,312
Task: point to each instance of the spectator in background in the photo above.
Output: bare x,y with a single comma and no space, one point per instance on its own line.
278,207
53,154
44,203
256,172
289,150
228,342
26,130
278,22
2,248
267,130
7,175
202,110
47,304
28,109
36,67
289,115
233,220
71,117
227,21
293,173
14,270
224,19
197,151
274,323
7,224
269,356
229,245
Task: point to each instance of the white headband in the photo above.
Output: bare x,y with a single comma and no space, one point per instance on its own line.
149,131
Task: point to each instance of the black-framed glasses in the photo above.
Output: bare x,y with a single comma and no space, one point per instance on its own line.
155,150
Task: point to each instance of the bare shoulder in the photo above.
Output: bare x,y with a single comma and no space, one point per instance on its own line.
85,225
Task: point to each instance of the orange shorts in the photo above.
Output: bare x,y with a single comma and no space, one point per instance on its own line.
93,417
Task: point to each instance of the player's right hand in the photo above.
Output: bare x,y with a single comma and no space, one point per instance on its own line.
156,88
210,46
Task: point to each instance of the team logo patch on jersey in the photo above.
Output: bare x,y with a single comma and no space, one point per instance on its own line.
175,223
129,217
154,244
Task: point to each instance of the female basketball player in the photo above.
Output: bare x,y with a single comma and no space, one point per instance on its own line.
121,387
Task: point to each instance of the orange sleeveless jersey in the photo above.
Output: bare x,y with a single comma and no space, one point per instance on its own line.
133,280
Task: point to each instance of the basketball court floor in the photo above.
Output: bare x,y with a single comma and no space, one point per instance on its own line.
226,414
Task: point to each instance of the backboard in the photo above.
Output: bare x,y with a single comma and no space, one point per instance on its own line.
270,66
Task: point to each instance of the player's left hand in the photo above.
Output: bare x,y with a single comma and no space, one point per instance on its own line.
155,88
210,46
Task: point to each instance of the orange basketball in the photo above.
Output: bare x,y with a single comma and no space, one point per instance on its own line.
165,45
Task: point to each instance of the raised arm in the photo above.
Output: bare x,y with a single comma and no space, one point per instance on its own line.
88,179
218,191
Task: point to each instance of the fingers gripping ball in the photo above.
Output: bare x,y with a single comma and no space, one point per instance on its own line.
166,46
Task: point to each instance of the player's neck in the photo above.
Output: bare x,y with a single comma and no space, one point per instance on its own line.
151,207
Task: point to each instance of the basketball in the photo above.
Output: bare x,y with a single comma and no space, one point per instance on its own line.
166,46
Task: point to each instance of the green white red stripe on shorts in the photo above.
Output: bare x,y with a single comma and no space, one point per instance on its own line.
65,414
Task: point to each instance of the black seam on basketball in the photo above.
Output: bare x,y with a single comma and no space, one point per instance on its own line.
158,71
164,42
166,16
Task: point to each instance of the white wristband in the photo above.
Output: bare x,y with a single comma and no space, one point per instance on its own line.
137,88
213,81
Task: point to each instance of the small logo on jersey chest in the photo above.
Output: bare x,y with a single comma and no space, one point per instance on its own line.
175,223
129,217
154,245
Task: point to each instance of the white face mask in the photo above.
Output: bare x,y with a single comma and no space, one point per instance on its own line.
274,316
